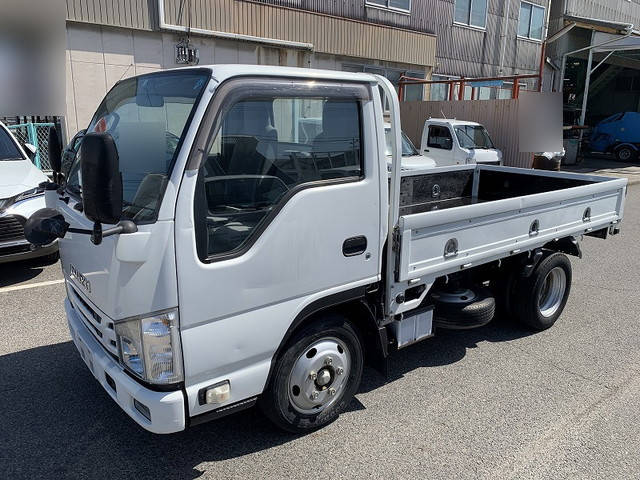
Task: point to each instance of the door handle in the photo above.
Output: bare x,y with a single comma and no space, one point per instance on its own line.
354,246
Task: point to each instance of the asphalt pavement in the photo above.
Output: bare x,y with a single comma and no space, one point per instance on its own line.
492,403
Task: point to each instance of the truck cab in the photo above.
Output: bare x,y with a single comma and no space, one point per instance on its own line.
618,134
456,142
216,256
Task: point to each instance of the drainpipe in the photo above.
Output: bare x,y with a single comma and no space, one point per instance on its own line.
505,28
231,36
543,48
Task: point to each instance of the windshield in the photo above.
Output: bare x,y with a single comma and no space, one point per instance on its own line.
147,117
408,149
8,148
473,136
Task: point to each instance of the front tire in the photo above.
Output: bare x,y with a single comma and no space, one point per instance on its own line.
315,377
540,298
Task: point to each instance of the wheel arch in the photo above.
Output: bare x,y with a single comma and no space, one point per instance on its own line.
626,144
354,306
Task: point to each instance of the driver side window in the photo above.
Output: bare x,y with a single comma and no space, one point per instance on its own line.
265,150
440,137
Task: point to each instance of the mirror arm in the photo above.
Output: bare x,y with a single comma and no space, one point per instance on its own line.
80,230
97,234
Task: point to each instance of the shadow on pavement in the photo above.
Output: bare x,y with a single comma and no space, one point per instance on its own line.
446,348
57,422
22,271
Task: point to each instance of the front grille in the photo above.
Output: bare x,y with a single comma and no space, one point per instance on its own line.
101,328
11,228
4,251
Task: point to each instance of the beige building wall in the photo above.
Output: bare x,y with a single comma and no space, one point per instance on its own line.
98,56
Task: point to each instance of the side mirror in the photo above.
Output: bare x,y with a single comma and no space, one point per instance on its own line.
31,151
101,178
55,150
44,226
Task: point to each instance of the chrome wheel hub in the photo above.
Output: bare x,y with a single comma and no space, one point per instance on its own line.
319,375
552,292
324,377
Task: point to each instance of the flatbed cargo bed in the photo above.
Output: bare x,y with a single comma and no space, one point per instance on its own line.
455,218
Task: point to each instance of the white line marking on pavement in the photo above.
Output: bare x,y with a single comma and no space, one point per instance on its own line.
30,285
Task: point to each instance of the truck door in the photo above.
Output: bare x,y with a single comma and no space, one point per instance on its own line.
439,144
270,220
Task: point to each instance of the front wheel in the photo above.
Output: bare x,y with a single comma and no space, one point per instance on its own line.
316,376
540,298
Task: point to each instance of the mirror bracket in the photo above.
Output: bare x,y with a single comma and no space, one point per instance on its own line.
125,226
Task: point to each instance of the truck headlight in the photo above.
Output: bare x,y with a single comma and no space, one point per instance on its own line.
150,348
34,192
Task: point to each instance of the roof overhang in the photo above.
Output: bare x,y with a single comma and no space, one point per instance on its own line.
605,26
609,43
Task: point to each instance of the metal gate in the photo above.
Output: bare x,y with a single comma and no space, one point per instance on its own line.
36,134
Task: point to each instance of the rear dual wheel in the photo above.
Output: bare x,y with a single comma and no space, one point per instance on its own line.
316,376
540,298
536,301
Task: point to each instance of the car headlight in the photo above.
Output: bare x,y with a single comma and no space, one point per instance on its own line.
150,348
33,192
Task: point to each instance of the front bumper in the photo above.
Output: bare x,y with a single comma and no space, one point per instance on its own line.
23,250
167,409
13,245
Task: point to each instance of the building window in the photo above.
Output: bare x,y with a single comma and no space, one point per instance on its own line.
402,5
471,12
531,23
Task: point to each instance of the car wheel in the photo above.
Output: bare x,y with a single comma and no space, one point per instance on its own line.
540,298
315,377
626,154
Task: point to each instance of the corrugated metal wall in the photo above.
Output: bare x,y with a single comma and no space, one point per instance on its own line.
328,34
471,52
421,18
138,14
627,11
498,116
460,51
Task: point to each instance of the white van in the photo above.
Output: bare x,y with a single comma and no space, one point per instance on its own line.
456,142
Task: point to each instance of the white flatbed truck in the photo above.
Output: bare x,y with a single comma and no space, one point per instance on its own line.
215,258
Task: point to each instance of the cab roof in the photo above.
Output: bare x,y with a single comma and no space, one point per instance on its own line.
452,121
226,71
